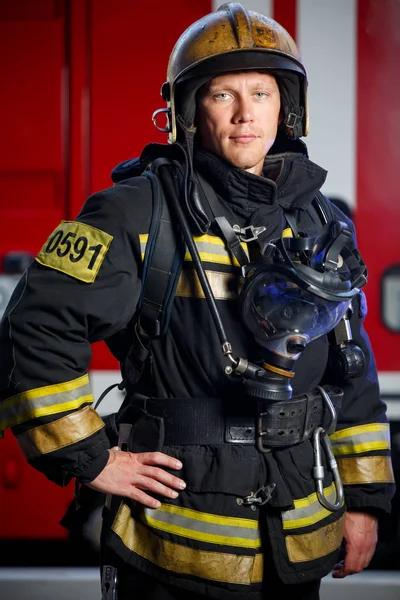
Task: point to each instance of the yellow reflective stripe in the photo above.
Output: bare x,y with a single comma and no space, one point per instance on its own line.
60,433
224,540
363,438
308,511
213,566
310,546
209,517
225,286
44,401
47,390
211,249
365,469
220,259
143,237
358,429
360,448
312,498
205,527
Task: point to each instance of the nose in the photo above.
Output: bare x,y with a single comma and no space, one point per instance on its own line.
244,112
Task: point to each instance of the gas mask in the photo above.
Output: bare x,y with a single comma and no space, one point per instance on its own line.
299,290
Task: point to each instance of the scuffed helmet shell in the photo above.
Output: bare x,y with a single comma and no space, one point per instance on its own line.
232,39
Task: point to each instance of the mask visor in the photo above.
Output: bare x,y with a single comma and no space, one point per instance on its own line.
279,308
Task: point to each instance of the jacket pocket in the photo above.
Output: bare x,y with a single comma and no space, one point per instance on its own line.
228,469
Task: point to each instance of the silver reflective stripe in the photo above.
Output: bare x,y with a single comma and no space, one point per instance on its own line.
363,438
44,401
204,526
308,510
211,249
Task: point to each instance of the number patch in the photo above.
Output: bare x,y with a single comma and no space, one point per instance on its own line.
76,249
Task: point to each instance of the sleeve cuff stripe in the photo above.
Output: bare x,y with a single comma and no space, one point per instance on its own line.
45,401
60,433
366,469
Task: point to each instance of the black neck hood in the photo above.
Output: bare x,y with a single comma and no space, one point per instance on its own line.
290,179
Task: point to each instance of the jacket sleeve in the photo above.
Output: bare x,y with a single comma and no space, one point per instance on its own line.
82,287
361,443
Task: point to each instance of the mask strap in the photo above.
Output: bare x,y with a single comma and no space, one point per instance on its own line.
292,222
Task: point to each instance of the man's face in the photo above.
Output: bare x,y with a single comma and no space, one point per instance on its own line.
237,118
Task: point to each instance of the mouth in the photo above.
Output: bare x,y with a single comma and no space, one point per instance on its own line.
245,138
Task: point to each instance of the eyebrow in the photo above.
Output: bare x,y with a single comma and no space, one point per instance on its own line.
257,84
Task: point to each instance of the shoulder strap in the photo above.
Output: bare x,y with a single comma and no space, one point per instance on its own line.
323,208
320,211
162,262
319,207
162,266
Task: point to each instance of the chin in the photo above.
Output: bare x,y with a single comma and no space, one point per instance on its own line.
245,162
245,158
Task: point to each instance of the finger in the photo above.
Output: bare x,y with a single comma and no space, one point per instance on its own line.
152,485
143,498
158,458
344,568
338,570
354,562
164,477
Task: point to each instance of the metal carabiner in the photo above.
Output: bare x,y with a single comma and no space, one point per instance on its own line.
318,469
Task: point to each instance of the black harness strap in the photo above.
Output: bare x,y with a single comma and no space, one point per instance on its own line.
162,263
228,235
162,266
322,208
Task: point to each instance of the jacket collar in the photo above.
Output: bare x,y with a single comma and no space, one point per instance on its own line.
289,179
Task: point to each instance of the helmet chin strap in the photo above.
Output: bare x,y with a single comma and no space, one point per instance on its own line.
188,141
294,122
197,218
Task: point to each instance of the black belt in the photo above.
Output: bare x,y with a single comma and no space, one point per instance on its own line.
209,421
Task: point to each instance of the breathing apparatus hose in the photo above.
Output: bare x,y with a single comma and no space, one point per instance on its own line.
165,174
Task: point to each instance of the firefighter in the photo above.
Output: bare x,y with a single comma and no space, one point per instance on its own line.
252,444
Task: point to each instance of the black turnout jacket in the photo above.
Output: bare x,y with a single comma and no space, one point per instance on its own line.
84,287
